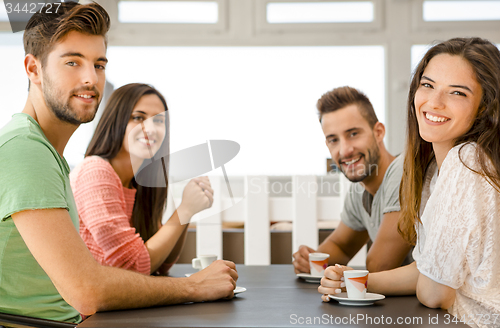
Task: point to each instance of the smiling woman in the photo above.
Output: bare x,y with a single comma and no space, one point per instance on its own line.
446,102
451,182
112,206
450,190
146,130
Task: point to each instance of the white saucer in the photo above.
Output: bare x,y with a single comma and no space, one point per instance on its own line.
369,300
308,278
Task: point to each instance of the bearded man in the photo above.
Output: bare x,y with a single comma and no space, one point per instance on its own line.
354,137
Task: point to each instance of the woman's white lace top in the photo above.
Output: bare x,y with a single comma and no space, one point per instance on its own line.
458,243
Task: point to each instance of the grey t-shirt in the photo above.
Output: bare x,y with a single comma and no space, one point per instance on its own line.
364,212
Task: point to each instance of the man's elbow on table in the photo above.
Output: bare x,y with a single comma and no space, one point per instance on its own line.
86,302
88,294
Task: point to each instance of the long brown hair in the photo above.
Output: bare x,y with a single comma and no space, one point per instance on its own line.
107,142
484,57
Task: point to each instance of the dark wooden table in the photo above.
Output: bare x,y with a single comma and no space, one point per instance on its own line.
275,298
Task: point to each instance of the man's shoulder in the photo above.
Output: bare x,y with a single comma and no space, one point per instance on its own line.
355,194
20,129
356,189
23,145
392,180
17,126
395,169
31,168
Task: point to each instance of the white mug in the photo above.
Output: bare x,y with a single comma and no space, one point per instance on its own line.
202,261
318,262
355,283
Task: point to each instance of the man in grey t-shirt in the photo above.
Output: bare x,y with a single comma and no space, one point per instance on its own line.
354,137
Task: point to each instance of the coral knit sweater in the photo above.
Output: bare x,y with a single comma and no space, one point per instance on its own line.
105,211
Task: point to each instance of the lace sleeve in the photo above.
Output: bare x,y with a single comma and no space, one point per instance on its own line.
456,236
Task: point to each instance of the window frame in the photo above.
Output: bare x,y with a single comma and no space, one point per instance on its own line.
159,29
419,24
263,26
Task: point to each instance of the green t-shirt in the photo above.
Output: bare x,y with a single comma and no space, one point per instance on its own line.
32,176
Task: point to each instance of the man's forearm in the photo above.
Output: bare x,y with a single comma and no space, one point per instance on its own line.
123,289
114,288
380,262
89,287
337,255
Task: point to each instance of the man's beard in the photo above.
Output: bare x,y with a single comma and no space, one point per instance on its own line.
64,111
371,164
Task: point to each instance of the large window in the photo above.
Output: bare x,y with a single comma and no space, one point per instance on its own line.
471,10
189,12
13,79
320,12
264,98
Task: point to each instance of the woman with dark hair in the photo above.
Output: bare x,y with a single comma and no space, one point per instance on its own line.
120,216
450,190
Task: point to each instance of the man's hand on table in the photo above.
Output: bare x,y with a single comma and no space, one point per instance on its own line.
301,259
216,281
332,281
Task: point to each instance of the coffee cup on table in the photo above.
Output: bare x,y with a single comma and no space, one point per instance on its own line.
202,261
318,262
356,282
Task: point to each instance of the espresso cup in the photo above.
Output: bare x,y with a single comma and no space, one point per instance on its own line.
202,261
356,282
318,262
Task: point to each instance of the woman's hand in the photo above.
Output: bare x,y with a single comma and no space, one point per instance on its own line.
332,281
198,195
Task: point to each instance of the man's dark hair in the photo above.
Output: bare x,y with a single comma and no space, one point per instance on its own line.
344,96
44,29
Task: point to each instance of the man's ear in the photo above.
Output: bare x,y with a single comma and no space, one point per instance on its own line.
33,69
379,131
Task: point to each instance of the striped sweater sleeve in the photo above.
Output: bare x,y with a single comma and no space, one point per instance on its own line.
101,206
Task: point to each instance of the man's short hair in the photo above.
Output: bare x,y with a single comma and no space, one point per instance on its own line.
44,29
344,96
